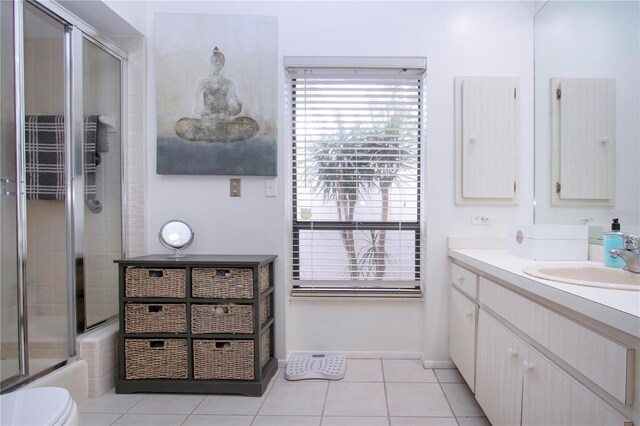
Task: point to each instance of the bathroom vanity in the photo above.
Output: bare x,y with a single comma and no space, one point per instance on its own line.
196,324
541,352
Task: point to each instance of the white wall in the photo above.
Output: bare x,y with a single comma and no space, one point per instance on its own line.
458,38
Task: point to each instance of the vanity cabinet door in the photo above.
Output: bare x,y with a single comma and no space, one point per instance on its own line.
498,371
551,397
462,336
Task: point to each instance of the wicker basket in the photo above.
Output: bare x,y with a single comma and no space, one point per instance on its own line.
147,282
265,347
264,313
155,359
222,319
155,318
223,359
265,277
222,283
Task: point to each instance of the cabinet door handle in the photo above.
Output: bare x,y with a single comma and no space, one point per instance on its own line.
512,353
460,279
469,314
528,368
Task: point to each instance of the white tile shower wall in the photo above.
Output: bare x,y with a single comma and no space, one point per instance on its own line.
135,172
46,254
46,249
98,349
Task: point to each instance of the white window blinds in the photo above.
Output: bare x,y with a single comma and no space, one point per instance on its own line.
356,137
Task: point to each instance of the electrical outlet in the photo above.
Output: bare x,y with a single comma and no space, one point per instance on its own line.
479,219
234,189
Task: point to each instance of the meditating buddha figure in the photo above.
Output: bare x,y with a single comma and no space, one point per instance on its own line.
217,103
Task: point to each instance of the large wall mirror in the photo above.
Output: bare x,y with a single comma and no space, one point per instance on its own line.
587,109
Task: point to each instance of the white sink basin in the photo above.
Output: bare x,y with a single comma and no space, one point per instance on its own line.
592,275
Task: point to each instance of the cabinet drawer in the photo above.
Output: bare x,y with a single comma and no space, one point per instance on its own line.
155,358
235,319
223,359
155,282
155,318
465,280
606,362
462,338
222,283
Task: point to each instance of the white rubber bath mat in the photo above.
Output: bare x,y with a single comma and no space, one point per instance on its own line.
316,366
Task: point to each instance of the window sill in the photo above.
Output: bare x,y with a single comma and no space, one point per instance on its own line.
392,293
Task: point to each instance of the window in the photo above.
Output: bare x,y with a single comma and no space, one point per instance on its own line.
356,134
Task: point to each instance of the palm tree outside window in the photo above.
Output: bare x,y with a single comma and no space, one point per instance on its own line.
356,135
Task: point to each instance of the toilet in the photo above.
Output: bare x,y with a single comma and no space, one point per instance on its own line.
39,406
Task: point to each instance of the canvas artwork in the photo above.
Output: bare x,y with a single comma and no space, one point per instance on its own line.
216,94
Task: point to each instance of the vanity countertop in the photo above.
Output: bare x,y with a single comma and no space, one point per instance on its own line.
617,308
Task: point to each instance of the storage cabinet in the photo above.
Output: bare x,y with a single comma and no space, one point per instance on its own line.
487,139
198,324
515,384
463,313
606,362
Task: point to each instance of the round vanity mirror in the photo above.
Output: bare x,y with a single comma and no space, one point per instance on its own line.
176,235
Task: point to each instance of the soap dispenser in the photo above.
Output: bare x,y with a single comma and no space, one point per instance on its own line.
613,240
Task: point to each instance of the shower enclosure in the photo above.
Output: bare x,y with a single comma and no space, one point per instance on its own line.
61,195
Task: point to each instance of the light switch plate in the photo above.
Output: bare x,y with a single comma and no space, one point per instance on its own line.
234,190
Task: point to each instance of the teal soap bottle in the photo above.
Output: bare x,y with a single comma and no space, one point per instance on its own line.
611,240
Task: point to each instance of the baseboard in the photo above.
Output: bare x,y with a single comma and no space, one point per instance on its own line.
436,364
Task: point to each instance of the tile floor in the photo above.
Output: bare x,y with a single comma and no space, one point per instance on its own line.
374,392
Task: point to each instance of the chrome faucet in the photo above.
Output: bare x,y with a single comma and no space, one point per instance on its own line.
630,253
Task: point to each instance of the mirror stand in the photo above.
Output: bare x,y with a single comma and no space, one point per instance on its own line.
176,254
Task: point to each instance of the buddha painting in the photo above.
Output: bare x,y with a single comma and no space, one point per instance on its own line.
216,94
218,105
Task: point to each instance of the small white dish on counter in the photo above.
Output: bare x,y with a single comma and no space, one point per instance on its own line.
586,274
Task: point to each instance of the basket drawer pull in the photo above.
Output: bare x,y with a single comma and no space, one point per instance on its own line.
156,273
155,308
221,310
223,273
156,344
223,345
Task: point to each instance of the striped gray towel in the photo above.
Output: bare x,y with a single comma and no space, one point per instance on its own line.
45,168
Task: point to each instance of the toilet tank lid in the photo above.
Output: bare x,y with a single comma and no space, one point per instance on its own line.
34,406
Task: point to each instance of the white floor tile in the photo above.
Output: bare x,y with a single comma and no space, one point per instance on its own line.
407,371
150,419
473,421
356,399
448,375
462,401
286,421
355,421
206,420
363,370
417,400
110,403
167,404
97,419
423,421
229,404
294,399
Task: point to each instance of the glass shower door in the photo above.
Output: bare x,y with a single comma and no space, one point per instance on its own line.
46,189
103,185
10,364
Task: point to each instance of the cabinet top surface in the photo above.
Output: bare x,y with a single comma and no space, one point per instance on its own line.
195,259
617,308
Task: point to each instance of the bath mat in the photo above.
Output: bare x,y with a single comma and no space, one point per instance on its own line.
316,366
